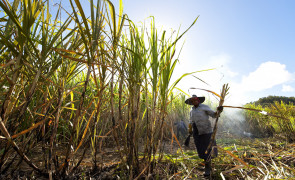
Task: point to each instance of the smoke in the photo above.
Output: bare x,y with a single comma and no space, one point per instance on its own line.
232,121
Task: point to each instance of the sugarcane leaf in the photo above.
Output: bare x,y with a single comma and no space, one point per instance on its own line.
184,75
85,131
235,157
29,129
208,91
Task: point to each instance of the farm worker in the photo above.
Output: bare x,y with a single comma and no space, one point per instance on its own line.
201,128
181,129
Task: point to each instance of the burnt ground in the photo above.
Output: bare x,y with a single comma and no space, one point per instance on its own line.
109,167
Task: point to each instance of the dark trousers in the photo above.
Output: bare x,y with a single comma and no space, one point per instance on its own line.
202,142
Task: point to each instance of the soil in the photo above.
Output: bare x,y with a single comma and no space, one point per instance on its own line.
107,166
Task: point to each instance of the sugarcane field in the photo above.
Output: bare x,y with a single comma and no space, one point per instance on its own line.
88,92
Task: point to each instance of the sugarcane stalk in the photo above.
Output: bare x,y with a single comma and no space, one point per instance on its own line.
224,92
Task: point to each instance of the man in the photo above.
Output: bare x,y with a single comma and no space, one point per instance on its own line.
201,128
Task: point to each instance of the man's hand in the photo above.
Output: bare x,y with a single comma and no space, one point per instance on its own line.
190,129
220,108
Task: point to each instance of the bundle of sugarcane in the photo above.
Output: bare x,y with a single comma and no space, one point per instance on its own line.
224,92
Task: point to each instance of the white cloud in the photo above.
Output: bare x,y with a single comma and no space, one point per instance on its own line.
287,88
266,76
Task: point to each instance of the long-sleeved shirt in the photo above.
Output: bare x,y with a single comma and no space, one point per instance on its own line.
200,116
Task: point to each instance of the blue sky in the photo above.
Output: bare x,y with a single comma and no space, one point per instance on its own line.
251,43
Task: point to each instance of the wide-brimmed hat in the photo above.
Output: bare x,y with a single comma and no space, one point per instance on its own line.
189,100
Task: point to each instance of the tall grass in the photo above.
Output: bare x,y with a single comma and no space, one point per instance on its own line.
68,90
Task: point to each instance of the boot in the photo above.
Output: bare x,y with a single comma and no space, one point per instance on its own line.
207,169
